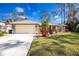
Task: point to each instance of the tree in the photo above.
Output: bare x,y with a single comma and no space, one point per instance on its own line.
61,11
71,24
54,13
21,13
77,26
45,20
14,16
72,19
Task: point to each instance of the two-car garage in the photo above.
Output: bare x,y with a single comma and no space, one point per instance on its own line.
25,27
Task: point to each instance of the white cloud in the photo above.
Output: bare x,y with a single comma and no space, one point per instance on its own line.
19,9
27,17
30,17
8,14
39,11
34,13
57,21
56,16
29,8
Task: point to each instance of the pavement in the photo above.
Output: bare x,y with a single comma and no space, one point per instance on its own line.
15,44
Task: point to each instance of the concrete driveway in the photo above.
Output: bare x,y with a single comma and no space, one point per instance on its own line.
15,44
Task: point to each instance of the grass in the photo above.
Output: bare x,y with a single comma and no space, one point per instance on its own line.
2,33
61,44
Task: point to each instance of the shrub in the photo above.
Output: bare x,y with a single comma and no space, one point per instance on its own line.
2,33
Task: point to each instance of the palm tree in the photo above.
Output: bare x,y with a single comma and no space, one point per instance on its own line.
45,20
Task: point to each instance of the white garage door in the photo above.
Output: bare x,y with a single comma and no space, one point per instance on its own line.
25,29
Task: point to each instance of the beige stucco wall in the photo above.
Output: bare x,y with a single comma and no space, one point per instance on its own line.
20,28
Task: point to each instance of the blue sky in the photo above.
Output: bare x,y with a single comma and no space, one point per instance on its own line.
32,10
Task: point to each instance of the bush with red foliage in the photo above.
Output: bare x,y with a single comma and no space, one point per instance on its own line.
45,32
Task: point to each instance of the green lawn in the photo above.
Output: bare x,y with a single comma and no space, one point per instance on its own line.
61,44
2,33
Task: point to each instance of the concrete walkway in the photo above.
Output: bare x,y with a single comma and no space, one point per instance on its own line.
15,44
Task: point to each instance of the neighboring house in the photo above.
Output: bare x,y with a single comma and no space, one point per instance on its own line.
8,26
2,26
25,26
5,26
55,28
58,28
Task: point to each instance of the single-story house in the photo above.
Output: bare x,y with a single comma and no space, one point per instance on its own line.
2,26
25,27
8,26
29,26
5,26
58,27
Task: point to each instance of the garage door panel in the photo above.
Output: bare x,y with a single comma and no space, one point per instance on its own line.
25,28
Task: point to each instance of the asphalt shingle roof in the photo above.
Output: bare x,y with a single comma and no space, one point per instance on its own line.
25,22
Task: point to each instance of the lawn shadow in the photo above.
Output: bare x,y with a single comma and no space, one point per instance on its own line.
56,45
65,38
